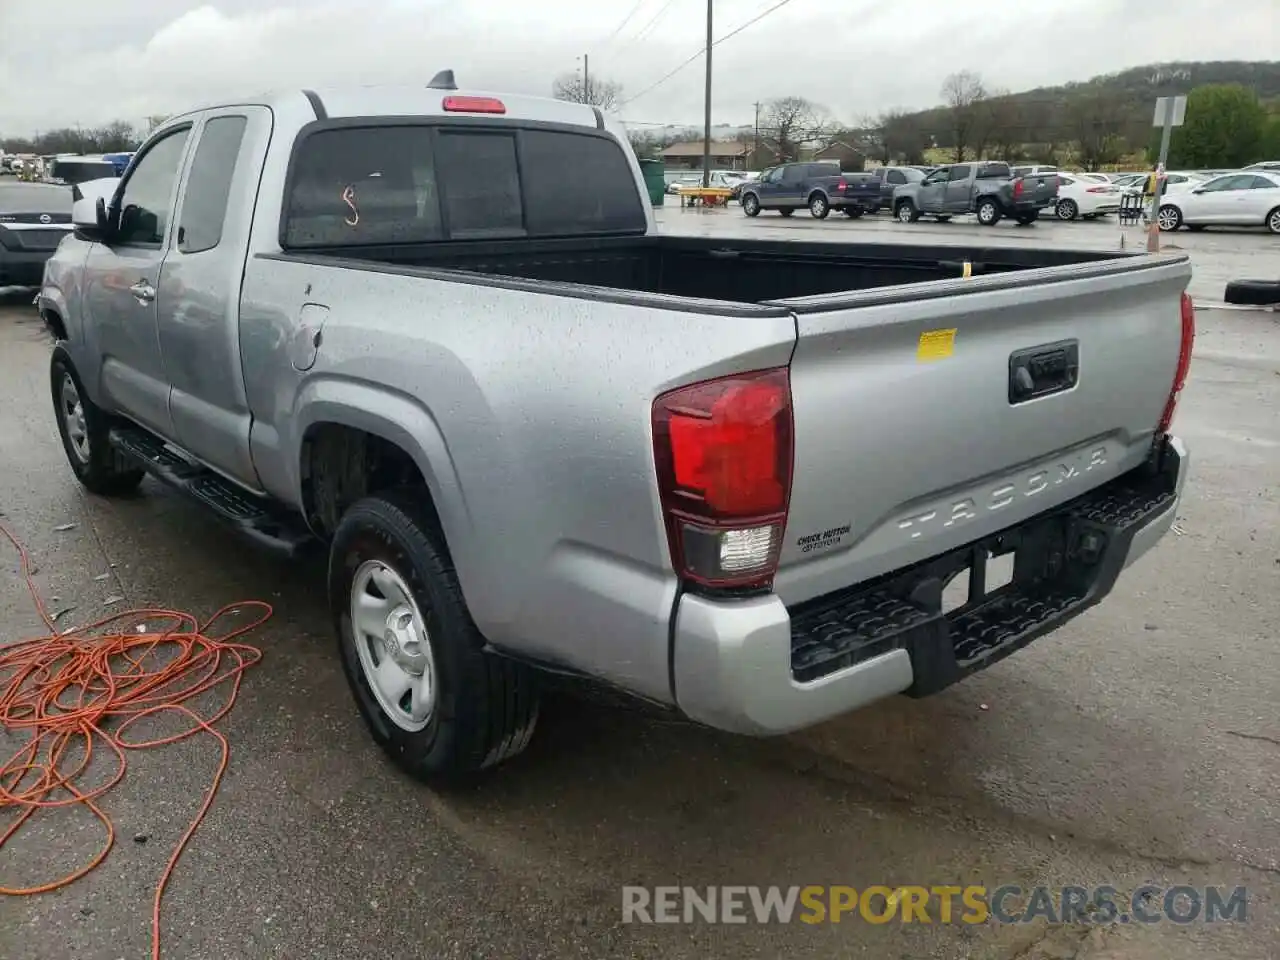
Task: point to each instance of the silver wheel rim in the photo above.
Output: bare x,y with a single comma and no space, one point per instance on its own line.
1273,223
393,646
749,204
986,213
904,213
819,206
73,417
1066,210
1167,219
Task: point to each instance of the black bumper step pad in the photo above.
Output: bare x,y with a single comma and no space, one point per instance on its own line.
1064,562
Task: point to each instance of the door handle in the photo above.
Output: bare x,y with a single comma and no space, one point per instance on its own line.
143,292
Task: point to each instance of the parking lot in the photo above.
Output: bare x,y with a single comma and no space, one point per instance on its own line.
1139,744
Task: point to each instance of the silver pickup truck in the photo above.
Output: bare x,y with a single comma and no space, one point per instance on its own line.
540,441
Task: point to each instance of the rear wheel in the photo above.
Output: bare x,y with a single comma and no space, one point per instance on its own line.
906,212
819,207
988,212
83,428
433,699
751,205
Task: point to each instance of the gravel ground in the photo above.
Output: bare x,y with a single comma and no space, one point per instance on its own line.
1139,744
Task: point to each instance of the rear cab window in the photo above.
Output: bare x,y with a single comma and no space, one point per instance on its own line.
398,183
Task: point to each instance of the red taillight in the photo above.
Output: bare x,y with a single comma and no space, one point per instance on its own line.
723,452
842,186
474,105
1184,364
1017,188
1098,190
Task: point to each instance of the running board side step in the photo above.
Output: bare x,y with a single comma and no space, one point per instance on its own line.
266,523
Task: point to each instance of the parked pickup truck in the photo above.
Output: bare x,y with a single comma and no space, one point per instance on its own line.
539,439
820,186
889,178
987,190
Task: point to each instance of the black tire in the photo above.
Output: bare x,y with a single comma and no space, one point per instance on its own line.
786,211
906,212
1273,220
486,706
751,205
943,218
853,213
1253,293
988,212
1168,218
819,206
98,466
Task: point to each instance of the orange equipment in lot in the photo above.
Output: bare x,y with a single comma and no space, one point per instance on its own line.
705,196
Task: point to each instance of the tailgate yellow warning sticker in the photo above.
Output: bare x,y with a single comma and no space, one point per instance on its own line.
936,345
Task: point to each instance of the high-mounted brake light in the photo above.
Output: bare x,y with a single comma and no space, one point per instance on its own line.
1184,364
723,451
474,105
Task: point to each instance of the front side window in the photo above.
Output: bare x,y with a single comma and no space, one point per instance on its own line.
148,193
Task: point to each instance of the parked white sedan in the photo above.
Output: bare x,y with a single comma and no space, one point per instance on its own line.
1078,197
1233,200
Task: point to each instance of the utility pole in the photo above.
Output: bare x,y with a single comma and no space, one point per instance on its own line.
586,79
755,152
706,125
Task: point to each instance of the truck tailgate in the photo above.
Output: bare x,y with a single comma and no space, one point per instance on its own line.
915,432
1039,187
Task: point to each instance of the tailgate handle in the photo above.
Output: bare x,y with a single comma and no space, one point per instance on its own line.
1043,370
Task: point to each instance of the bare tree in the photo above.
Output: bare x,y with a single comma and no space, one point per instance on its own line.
1096,121
902,137
792,122
1008,128
604,94
963,93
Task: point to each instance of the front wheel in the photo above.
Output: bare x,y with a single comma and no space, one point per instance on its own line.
988,213
751,205
819,207
906,212
83,428
439,705
1273,220
1169,218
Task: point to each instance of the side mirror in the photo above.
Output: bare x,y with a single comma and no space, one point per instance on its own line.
89,219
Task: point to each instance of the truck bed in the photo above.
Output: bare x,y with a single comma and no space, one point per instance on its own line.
745,271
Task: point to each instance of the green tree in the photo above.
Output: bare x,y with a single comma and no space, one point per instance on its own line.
1225,126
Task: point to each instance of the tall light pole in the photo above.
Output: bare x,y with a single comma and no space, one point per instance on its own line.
706,124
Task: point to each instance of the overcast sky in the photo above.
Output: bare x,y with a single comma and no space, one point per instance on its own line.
88,61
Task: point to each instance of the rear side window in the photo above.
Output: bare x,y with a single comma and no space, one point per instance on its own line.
204,204
993,171
897,176
414,184
960,173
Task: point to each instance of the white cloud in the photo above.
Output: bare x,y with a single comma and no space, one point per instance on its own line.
87,61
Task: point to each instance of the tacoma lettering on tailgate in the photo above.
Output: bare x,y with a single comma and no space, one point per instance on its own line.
1042,478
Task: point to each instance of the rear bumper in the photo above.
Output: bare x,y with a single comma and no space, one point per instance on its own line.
755,667
22,268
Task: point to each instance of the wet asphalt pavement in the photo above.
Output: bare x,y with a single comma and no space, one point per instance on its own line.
1139,744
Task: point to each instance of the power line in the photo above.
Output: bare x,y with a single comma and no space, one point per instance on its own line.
645,30
625,20
732,33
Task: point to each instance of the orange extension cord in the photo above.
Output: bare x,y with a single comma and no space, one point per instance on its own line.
67,688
